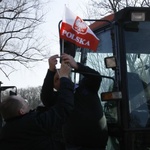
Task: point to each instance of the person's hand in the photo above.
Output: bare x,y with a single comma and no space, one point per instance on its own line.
68,59
65,70
52,62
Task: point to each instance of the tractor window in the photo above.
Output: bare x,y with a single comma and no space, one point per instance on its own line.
139,95
96,61
138,68
137,38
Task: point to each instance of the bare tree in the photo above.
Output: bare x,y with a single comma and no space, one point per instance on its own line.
104,7
19,41
32,94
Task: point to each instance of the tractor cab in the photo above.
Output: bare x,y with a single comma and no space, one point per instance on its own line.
123,59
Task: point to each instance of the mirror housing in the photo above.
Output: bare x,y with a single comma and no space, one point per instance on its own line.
110,62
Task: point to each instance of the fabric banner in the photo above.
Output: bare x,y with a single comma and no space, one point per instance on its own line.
75,30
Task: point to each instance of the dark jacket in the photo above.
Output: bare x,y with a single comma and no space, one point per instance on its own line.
35,130
48,95
83,127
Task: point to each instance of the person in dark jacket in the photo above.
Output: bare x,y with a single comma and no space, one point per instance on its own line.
86,128
34,130
49,95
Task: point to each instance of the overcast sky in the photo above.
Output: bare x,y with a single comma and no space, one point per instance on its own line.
34,77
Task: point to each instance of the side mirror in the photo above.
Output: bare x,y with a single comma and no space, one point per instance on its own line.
110,62
12,91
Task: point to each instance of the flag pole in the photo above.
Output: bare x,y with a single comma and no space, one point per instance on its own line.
62,49
61,41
